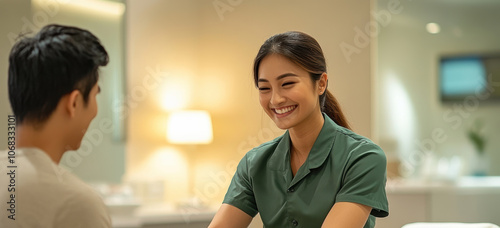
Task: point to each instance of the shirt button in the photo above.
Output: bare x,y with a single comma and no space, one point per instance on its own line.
295,223
291,189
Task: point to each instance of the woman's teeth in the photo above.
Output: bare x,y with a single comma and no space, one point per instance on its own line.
284,110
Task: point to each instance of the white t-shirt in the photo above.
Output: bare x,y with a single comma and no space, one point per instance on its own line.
46,195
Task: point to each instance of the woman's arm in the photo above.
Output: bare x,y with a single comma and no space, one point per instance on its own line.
230,216
347,215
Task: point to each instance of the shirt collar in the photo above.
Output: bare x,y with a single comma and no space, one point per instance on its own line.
318,154
281,155
323,144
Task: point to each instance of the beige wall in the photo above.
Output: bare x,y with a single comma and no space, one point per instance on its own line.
190,45
12,13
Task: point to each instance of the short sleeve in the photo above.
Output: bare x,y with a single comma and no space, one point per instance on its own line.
240,192
365,178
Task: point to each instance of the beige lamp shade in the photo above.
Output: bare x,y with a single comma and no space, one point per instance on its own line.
189,127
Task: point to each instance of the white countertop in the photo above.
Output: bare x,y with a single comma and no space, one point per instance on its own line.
133,216
153,214
158,214
462,184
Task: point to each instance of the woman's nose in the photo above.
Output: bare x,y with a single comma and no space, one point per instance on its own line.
277,98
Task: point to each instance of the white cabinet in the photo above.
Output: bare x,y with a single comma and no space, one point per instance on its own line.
156,216
400,211
469,199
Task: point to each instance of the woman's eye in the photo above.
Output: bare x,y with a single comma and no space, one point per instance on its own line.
288,83
263,88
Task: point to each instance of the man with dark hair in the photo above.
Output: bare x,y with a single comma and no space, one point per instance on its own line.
52,91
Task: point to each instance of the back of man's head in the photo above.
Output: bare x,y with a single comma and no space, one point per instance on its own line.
43,68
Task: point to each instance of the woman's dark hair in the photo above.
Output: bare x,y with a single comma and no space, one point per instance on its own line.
304,51
43,68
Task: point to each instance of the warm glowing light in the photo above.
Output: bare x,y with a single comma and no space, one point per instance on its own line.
433,28
107,7
162,163
175,94
165,161
189,127
161,177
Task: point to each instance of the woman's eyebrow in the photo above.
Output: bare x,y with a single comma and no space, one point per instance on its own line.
279,77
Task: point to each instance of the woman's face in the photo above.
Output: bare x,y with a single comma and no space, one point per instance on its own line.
286,92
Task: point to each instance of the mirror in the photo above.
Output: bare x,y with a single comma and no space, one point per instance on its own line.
104,143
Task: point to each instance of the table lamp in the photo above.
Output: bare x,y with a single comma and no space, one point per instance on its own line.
190,127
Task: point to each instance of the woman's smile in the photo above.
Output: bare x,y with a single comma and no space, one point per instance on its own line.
284,111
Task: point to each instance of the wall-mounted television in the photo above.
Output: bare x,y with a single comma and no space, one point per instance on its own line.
469,76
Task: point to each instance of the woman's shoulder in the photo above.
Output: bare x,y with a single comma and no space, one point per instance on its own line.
356,142
345,138
268,156
351,149
265,148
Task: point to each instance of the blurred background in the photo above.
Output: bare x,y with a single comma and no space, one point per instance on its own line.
178,107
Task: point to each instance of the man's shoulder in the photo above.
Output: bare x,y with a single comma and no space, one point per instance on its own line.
71,187
49,193
42,178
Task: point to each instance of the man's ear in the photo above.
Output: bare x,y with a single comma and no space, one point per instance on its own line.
322,83
71,102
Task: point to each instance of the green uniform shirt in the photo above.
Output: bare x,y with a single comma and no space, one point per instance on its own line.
341,167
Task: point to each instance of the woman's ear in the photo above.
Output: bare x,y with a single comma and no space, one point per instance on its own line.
322,83
71,102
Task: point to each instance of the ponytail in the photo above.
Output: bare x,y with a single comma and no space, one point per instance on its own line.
331,107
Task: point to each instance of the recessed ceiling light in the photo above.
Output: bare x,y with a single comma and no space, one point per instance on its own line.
433,28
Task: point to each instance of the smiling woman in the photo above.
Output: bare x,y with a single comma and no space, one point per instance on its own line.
291,97
319,173
300,51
